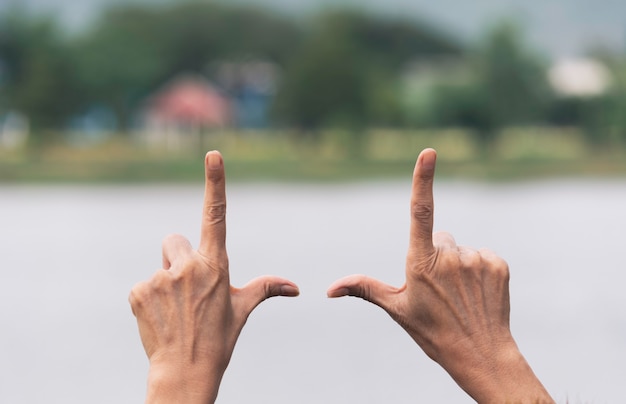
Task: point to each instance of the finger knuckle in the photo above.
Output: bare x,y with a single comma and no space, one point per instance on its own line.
470,259
422,211
493,259
443,238
450,260
160,282
499,267
364,289
191,270
216,212
188,266
138,296
270,289
176,278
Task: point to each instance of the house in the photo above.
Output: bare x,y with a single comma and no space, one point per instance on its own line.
251,85
581,77
182,110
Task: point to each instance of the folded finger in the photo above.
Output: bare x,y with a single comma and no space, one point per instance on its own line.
444,239
175,247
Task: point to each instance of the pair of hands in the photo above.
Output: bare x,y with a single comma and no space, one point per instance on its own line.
454,304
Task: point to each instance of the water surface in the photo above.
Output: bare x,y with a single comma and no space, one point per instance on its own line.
71,254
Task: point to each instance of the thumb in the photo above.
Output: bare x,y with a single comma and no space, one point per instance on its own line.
261,288
366,288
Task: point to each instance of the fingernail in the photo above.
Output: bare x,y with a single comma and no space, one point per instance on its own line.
288,290
339,292
428,160
214,160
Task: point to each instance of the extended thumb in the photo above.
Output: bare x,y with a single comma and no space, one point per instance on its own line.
264,287
366,288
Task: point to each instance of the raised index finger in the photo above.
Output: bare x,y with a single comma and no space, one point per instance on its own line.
213,228
422,205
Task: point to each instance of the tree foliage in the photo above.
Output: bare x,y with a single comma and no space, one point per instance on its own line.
507,86
341,69
344,70
38,74
133,49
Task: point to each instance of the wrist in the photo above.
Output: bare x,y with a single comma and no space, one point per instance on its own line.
180,383
499,373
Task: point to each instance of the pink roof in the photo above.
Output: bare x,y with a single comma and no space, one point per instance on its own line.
190,100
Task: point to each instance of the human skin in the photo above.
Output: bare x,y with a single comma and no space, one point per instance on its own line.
188,314
454,304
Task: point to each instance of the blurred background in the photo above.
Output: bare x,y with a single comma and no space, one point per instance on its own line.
320,109
111,90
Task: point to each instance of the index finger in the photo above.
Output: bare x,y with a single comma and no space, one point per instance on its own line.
422,205
213,228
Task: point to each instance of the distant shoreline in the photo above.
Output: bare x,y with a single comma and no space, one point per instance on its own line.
278,156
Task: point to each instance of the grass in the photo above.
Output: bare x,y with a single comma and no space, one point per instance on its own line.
520,153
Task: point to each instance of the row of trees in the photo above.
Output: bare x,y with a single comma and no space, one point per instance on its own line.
339,69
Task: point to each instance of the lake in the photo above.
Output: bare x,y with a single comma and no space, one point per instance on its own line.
71,254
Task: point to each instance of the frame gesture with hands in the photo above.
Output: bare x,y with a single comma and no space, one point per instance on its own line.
454,304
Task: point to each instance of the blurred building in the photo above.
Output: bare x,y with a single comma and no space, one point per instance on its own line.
582,77
251,86
182,110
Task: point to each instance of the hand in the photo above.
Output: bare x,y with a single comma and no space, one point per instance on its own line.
454,304
189,316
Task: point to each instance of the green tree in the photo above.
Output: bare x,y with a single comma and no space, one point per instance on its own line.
134,49
605,121
507,86
121,58
201,32
326,83
37,69
345,74
513,79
